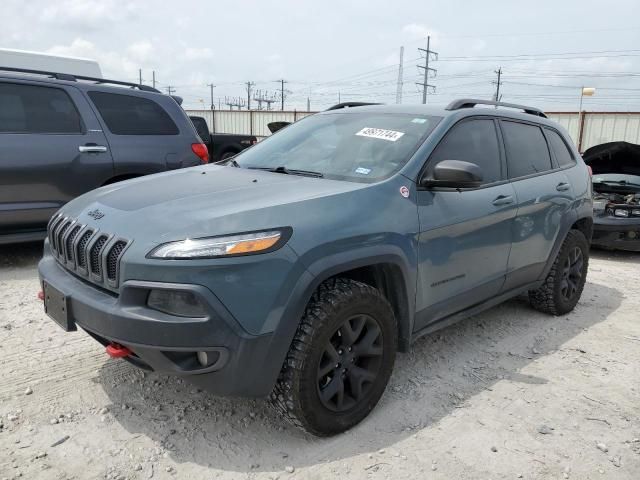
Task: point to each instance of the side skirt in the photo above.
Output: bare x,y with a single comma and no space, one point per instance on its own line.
473,310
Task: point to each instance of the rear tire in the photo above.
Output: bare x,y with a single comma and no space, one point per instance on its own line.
340,359
563,286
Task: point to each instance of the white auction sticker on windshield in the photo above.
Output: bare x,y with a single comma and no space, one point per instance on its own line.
389,135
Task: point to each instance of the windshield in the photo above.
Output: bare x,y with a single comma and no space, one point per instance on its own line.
360,147
617,181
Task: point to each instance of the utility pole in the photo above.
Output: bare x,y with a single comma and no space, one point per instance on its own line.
282,82
339,101
249,87
400,77
140,76
170,90
308,105
211,86
153,73
428,55
497,84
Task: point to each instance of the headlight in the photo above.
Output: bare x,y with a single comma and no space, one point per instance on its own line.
636,212
230,245
619,212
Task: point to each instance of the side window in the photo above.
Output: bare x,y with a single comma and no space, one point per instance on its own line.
560,149
472,141
527,150
35,109
130,115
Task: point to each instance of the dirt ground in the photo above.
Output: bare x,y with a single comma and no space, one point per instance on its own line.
510,393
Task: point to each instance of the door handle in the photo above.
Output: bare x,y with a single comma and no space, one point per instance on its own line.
563,187
92,149
503,200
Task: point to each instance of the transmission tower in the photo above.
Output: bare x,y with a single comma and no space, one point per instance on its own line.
428,71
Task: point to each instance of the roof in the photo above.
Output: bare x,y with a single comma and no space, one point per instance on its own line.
442,111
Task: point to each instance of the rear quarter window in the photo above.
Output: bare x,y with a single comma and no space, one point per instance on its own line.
131,115
563,155
526,147
35,109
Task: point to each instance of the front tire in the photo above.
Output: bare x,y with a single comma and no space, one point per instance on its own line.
563,286
340,359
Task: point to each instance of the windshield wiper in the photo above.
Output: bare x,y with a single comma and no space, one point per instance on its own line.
289,171
228,161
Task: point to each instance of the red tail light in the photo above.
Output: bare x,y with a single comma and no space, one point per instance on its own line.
200,149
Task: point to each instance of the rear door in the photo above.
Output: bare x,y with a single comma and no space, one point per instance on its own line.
52,149
544,197
143,136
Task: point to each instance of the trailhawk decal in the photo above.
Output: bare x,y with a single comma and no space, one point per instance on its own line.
389,135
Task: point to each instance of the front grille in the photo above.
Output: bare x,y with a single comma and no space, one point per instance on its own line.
85,251
82,248
113,257
69,243
95,258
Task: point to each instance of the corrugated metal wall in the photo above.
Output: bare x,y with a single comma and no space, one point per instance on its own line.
600,127
246,122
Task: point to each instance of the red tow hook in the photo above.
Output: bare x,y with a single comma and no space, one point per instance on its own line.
115,350
41,295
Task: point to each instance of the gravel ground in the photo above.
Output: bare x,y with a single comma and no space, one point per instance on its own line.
510,393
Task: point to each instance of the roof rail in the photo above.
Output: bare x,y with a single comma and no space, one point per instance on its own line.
350,105
471,102
75,78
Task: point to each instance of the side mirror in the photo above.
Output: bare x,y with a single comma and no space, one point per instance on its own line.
454,174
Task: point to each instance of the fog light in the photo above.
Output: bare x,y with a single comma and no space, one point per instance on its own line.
632,235
176,302
203,358
619,212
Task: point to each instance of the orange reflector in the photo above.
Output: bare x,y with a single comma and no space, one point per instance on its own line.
248,246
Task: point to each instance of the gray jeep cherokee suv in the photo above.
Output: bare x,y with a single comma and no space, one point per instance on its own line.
300,268
63,135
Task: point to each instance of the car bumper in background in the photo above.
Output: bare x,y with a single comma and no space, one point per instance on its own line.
616,233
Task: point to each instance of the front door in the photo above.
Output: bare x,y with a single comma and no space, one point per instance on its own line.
465,235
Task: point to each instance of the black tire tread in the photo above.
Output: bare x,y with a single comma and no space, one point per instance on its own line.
324,302
544,298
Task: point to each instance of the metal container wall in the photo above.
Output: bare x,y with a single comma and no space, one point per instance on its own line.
600,127
244,122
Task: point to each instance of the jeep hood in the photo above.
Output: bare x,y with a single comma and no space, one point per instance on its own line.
203,201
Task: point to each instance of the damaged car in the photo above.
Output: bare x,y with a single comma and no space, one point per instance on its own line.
616,195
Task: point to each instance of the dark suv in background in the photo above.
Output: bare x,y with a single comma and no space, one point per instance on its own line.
304,264
61,136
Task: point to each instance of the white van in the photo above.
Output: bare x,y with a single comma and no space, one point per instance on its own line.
21,59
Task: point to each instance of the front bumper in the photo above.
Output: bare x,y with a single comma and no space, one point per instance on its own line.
617,233
166,343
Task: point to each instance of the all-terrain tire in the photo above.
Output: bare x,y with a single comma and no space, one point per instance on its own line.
551,296
299,393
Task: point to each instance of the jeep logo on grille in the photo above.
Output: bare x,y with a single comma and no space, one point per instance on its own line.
97,214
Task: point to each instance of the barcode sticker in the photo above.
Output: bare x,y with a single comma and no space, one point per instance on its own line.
389,135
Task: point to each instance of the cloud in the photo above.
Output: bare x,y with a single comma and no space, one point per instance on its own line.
87,14
194,53
141,51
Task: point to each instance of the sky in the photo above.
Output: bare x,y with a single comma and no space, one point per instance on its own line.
331,50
